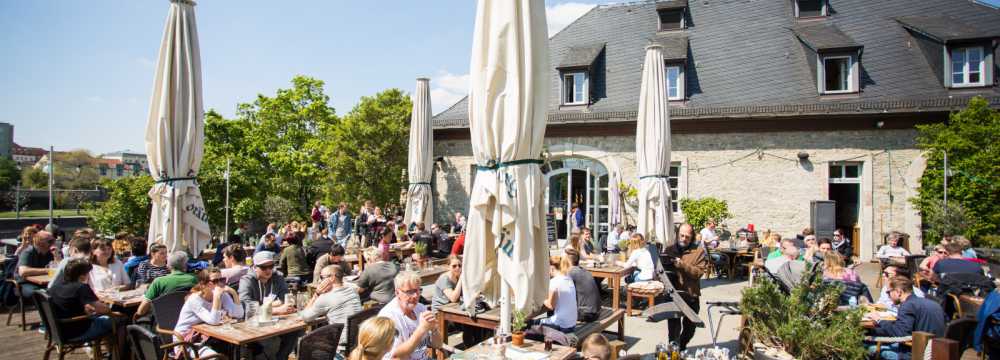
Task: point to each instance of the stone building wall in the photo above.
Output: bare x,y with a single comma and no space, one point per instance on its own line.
758,174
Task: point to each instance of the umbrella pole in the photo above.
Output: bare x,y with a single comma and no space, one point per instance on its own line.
505,312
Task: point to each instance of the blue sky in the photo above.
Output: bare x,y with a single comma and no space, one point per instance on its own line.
78,74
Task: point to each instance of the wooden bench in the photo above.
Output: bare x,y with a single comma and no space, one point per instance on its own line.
607,318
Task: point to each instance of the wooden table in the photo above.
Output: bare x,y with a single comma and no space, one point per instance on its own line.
732,254
614,274
40,280
243,333
558,352
124,299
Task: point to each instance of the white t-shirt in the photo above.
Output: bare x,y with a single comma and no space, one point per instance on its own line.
887,251
641,259
405,327
102,278
565,312
708,236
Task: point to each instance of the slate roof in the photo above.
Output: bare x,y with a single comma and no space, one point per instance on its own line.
581,56
945,28
824,36
744,60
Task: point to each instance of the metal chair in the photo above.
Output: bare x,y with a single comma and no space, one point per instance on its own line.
19,306
321,343
727,308
147,346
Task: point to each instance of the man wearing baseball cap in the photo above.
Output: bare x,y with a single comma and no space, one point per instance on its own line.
257,285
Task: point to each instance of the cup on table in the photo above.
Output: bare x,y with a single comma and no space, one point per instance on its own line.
52,272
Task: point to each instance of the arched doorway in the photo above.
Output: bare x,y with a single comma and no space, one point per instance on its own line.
582,181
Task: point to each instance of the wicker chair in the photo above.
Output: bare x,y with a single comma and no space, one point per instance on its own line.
321,344
147,346
57,341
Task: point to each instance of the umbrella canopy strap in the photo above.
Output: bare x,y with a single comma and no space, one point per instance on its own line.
493,165
172,180
420,183
654,177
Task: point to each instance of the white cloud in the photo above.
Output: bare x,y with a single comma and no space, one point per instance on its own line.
95,99
561,15
145,62
447,89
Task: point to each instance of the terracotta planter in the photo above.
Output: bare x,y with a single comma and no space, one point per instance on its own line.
517,338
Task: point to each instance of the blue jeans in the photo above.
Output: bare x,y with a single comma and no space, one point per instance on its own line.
99,326
888,351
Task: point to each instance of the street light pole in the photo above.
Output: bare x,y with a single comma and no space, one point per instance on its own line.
225,230
52,169
17,200
945,181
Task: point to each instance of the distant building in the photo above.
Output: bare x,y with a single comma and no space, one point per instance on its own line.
6,139
26,156
122,163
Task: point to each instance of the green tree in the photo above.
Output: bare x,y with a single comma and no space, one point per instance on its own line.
32,178
9,174
969,137
127,207
697,212
367,151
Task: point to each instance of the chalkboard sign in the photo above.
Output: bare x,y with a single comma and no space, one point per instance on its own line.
550,227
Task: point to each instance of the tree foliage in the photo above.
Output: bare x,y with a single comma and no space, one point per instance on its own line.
9,174
76,169
698,211
127,207
367,150
969,138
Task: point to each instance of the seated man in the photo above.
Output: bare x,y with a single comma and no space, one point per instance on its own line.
415,326
888,274
256,286
34,260
915,314
789,252
178,279
335,256
376,281
79,248
587,295
72,297
892,251
270,243
153,268
336,301
233,240
955,262
443,242
138,249
421,235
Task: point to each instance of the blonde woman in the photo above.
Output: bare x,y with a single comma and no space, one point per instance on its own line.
833,268
639,258
561,300
374,339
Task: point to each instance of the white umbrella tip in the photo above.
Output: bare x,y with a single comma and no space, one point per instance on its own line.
189,2
654,46
423,79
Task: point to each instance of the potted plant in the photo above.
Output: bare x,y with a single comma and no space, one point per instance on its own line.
803,324
419,253
623,249
517,326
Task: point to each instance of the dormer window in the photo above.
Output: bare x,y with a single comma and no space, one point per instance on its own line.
575,88
839,75
811,8
671,14
967,66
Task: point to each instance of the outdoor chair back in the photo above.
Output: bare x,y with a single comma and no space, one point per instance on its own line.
962,331
166,310
144,344
321,344
354,324
53,330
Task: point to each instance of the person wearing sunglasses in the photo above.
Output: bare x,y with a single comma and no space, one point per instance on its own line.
915,314
256,286
211,301
336,301
888,274
414,323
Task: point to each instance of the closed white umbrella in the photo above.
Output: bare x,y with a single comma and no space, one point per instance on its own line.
175,136
420,163
652,148
509,85
614,200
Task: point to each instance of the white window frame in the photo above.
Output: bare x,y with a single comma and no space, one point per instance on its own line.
824,12
680,81
965,66
675,191
843,179
586,87
851,74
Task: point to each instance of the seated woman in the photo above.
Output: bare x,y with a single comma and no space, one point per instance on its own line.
639,258
292,262
108,272
234,259
772,241
375,338
561,301
210,302
833,268
892,249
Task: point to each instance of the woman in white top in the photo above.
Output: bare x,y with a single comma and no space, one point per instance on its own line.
562,298
892,248
108,272
640,259
210,302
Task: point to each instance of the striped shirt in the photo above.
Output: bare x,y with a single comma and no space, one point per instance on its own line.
146,272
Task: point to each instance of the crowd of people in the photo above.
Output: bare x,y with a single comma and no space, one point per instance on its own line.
285,258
